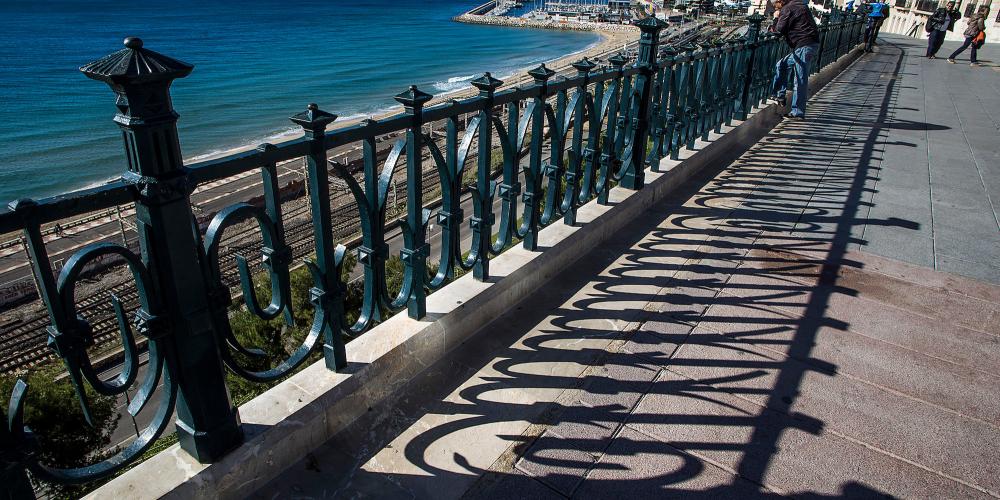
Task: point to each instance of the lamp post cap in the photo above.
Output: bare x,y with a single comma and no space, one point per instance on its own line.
135,65
651,24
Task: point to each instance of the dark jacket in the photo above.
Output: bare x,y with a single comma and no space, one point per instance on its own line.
796,24
943,15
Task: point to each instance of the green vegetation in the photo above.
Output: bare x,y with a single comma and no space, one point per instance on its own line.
64,439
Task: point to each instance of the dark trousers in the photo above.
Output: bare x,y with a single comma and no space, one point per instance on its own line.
934,41
871,31
968,43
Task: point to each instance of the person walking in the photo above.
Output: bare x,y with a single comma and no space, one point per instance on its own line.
975,35
939,24
796,24
877,14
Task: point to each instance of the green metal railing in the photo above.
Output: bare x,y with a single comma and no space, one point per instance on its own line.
584,133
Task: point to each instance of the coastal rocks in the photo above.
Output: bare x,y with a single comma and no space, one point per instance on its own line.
517,22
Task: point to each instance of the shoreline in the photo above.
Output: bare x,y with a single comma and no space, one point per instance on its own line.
608,42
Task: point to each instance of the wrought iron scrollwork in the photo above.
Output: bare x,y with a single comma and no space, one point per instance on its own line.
69,336
374,251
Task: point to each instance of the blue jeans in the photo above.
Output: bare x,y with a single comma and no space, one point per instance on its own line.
968,43
801,60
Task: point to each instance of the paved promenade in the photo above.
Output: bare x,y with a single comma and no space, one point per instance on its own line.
819,319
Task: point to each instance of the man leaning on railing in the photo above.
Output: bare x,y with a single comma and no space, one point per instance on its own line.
796,24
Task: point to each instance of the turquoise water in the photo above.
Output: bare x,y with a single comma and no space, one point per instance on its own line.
257,62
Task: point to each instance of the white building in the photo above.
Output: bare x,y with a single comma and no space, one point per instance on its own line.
908,17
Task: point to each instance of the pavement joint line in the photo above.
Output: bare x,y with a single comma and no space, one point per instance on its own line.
918,465
986,110
848,132
709,461
855,377
807,259
834,432
930,180
975,162
904,310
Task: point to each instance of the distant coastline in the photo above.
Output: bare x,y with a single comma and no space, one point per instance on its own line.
608,42
246,82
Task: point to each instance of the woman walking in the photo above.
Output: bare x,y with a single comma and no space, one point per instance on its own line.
974,35
939,25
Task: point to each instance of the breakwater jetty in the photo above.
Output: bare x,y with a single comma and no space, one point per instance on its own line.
481,15
518,22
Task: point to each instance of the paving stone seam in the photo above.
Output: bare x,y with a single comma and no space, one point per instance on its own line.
940,473
792,315
619,426
853,141
930,178
916,313
975,161
536,431
786,312
711,462
827,429
806,259
986,110
856,378
792,312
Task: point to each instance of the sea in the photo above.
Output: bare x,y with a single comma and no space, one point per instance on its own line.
256,62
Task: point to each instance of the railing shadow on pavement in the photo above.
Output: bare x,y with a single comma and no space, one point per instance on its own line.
771,234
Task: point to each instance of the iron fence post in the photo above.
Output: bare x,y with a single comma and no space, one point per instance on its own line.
573,175
482,219
533,176
415,247
328,293
208,425
753,41
634,175
824,45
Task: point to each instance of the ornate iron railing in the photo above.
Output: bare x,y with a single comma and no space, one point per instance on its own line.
602,126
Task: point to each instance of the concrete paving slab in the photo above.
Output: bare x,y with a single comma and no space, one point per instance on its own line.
872,414
784,453
639,466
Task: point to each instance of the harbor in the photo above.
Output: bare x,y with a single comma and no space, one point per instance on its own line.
610,16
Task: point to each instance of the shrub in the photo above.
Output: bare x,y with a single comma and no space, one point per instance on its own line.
52,412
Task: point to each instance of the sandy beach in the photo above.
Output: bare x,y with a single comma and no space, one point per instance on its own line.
610,42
